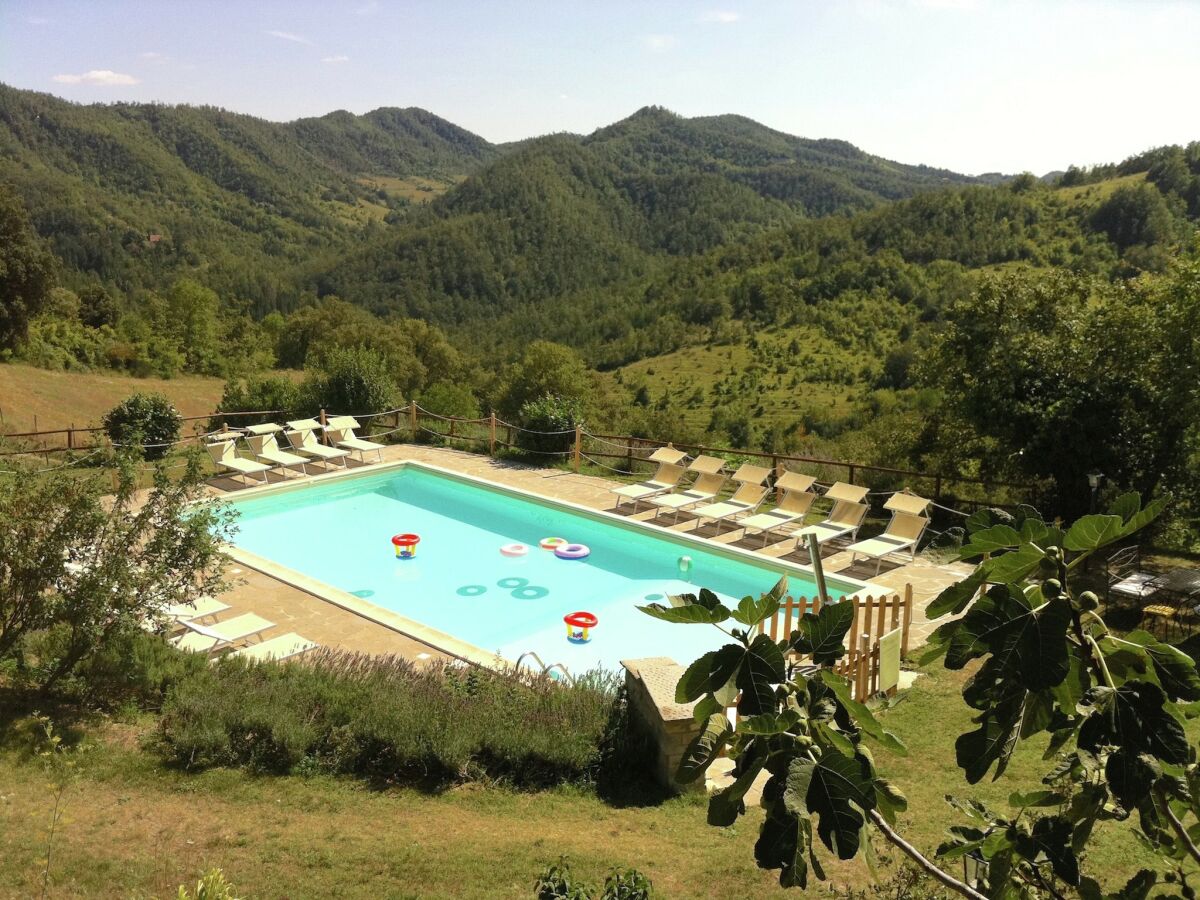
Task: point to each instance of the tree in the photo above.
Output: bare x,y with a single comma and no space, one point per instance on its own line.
1136,214
1059,376
450,399
83,570
544,368
193,317
26,270
351,382
1047,665
145,424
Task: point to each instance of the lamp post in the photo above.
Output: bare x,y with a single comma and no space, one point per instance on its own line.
1095,479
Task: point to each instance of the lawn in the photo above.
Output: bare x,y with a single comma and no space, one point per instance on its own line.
136,828
48,399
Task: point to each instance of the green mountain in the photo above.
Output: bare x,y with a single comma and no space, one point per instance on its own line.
234,200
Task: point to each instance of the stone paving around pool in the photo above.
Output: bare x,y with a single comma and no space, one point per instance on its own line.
293,609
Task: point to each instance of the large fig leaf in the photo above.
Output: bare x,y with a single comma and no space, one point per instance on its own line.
1176,670
860,713
761,670
1093,532
704,748
725,805
709,673
824,635
838,793
955,598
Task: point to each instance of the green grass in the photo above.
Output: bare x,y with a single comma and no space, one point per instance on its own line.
136,828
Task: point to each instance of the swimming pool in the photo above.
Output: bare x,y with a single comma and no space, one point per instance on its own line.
336,532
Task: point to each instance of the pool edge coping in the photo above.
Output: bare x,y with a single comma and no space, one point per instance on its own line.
440,640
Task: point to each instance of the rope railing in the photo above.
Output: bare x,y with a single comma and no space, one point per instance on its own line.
596,449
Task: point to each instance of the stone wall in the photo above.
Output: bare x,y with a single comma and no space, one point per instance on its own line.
650,684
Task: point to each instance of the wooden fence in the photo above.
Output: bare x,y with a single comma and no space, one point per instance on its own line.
622,453
873,618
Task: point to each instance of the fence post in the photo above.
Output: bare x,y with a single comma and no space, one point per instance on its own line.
937,487
629,456
324,436
492,434
412,418
864,667
908,606
71,437
578,445
851,468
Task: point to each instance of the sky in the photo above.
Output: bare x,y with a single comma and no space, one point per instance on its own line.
971,85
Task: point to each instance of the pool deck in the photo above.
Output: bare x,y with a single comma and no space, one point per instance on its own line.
293,609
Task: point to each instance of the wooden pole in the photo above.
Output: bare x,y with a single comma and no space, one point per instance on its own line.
412,418
492,434
324,436
578,445
908,605
71,437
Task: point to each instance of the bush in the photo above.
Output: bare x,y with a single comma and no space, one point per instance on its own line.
381,717
212,886
450,399
558,883
275,392
551,422
351,382
147,419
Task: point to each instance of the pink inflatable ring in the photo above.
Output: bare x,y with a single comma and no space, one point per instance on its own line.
572,551
514,550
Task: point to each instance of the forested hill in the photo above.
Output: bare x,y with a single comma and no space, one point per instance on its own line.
237,201
562,213
137,195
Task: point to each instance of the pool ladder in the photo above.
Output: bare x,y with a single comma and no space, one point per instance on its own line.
545,669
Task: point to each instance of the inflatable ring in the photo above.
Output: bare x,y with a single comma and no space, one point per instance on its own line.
572,551
514,550
551,543
581,619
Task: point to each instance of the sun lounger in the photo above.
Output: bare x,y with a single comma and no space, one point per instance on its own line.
264,444
340,431
209,638
709,482
844,519
224,455
200,608
282,647
751,491
303,439
794,503
902,533
665,479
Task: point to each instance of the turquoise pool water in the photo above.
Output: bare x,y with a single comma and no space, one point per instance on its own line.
339,532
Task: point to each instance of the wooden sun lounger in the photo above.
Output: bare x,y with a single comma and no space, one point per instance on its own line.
276,648
224,455
903,532
340,431
303,439
708,484
264,444
844,519
751,491
794,503
211,638
665,479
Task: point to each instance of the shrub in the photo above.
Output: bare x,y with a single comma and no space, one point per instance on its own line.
551,422
558,883
274,392
211,886
351,382
381,717
450,399
150,420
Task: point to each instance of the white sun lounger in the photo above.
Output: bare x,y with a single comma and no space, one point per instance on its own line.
200,608
903,532
265,446
794,503
282,647
303,439
844,519
209,638
751,491
224,455
340,431
708,484
665,479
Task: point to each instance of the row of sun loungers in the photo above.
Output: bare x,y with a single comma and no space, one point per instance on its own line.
233,635
666,491
303,447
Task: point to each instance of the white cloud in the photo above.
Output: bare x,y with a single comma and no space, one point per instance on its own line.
340,58
719,17
106,77
659,43
151,56
289,36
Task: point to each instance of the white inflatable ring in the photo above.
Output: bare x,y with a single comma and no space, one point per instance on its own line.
514,549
